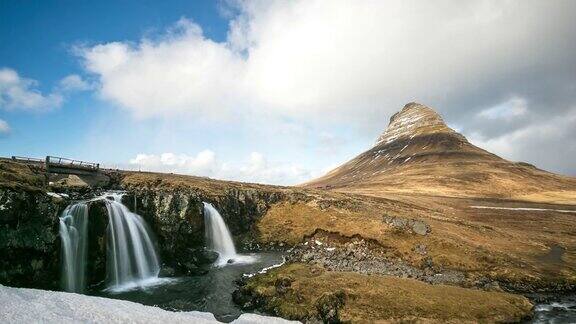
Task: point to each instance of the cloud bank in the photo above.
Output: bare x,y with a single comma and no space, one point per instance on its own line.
496,69
19,93
255,169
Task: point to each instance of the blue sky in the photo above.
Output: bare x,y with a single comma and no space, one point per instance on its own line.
37,40
280,91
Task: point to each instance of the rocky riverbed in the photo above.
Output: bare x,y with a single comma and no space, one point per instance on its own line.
356,254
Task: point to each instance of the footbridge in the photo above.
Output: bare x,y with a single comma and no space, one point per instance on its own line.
55,164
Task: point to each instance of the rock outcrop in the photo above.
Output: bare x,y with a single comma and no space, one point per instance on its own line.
29,243
414,120
355,254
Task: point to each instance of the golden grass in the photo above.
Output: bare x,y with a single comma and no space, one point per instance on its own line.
291,222
182,182
481,242
19,175
383,298
565,197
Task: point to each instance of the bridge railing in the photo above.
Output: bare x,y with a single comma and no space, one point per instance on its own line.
60,161
27,159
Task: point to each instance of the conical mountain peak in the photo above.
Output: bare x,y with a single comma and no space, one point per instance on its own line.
414,119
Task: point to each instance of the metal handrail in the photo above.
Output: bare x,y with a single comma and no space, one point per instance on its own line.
58,161
66,161
27,159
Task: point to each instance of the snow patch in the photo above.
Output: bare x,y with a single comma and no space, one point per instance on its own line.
22,305
264,270
525,209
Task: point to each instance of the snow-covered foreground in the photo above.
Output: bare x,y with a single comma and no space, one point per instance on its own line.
20,305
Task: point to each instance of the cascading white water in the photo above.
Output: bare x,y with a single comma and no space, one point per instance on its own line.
218,238
132,260
74,235
132,257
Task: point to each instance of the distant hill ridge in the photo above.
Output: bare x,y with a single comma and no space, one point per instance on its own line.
419,153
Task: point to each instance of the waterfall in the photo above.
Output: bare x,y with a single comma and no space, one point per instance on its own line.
131,261
132,258
74,235
218,236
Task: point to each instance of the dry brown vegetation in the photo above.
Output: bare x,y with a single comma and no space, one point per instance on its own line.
504,244
178,182
291,222
19,175
295,291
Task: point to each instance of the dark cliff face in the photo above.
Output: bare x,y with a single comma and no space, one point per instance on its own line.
29,242
97,231
177,216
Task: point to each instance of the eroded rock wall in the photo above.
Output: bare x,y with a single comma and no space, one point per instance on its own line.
176,216
29,242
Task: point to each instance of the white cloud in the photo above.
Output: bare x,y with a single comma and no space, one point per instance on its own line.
73,82
204,163
346,60
184,71
21,93
546,143
255,169
514,107
4,127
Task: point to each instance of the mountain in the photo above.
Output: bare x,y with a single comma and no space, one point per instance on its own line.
419,153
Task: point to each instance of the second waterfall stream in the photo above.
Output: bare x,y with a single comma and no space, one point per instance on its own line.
218,238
